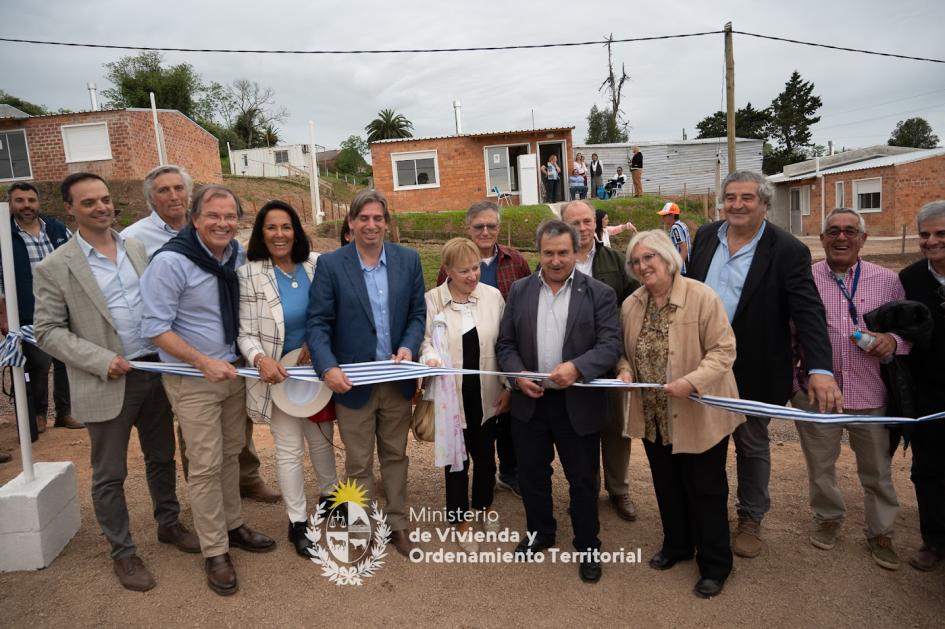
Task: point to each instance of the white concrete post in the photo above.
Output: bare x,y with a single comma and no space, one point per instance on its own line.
317,214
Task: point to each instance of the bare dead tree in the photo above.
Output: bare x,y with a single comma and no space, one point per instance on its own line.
256,106
614,85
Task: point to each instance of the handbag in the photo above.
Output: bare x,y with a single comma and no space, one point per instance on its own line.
423,420
327,414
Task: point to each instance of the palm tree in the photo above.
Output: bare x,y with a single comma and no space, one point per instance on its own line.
388,125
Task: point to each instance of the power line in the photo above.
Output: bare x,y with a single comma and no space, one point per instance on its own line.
470,49
359,52
860,50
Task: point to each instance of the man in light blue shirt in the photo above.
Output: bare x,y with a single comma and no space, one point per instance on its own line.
88,314
167,191
191,312
763,276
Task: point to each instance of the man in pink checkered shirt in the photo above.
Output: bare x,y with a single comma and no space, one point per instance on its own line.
849,288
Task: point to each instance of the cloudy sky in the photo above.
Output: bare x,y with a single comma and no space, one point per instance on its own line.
674,83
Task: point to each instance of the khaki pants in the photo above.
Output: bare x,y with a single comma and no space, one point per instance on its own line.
384,418
870,443
212,418
614,447
637,175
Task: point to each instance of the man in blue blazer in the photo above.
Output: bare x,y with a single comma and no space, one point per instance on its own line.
564,323
366,304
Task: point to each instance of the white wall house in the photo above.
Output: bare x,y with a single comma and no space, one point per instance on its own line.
291,160
669,166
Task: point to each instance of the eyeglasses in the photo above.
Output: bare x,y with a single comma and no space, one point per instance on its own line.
849,232
481,227
645,258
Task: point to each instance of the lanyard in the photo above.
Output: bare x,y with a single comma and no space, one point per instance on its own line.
851,293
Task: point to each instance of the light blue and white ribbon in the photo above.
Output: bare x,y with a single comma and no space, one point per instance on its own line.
11,351
388,371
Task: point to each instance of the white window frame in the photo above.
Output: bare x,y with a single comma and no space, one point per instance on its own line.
839,191
29,162
413,156
509,165
65,142
856,195
275,156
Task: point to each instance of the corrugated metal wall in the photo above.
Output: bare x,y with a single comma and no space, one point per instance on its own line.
667,167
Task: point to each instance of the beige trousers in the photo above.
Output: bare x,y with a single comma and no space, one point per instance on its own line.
614,447
212,418
637,175
385,418
870,443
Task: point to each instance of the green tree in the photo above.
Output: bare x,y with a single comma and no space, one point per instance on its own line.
134,77
914,132
749,123
388,125
23,105
356,143
793,112
350,162
603,129
254,112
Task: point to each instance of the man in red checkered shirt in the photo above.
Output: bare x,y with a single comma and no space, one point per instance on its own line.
849,288
500,267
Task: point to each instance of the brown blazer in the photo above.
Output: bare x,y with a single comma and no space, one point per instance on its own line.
72,323
701,350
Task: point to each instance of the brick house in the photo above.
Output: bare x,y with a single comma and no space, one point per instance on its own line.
886,184
118,144
453,172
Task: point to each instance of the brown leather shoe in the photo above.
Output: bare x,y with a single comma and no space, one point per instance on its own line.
400,541
133,575
926,558
185,540
68,422
221,576
260,492
40,424
747,542
248,539
624,507
5,457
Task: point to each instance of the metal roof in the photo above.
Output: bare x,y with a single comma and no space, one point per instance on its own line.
875,162
474,135
9,111
641,143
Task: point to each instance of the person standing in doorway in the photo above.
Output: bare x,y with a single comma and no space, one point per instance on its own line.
552,173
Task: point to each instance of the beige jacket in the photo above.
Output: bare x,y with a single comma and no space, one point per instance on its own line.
262,326
701,350
487,306
73,324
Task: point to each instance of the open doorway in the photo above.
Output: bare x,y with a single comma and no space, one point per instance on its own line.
558,149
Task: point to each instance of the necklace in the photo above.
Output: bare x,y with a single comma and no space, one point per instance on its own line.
294,282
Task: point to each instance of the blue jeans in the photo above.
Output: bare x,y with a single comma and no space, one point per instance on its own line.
551,190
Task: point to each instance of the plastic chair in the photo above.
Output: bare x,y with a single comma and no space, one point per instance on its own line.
503,197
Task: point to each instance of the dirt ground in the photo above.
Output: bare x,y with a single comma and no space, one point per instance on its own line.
790,584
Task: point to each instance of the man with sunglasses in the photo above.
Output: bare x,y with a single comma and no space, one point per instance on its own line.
850,287
924,281
500,267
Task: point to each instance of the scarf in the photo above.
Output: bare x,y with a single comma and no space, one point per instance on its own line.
187,243
450,446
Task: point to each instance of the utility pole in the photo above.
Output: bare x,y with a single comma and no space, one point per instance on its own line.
730,95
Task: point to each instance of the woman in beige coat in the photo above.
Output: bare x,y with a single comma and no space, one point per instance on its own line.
472,312
676,333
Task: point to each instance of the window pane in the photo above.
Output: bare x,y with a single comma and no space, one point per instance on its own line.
406,173
514,152
18,155
426,173
282,157
6,170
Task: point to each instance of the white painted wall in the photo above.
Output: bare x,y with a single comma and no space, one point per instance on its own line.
261,162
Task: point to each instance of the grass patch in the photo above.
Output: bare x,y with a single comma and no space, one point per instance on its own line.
430,260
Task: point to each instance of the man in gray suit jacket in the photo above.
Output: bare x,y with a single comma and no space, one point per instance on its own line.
88,314
560,322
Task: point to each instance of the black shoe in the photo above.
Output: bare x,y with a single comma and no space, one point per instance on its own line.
659,561
707,588
299,540
538,545
590,571
247,539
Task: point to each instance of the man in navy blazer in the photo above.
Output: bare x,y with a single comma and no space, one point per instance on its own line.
763,276
366,304
564,323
